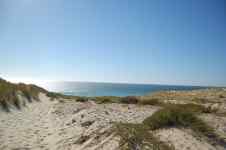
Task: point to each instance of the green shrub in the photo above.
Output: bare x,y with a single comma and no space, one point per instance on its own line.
103,100
4,105
16,102
199,100
54,95
27,95
30,91
8,93
221,96
129,100
82,99
176,115
106,99
194,108
151,101
138,137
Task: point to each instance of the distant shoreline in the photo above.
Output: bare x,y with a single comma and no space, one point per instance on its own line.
111,89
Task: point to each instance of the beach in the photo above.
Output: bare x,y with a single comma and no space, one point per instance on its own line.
66,125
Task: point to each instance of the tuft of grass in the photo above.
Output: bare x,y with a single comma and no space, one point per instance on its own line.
150,101
138,137
54,95
194,108
199,100
82,99
129,100
9,93
106,99
4,105
62,97
30,91
177,116
16,101
221,96
172,115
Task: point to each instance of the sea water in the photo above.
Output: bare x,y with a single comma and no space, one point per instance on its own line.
110,89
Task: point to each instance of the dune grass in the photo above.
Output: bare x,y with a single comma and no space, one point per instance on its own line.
181,116
9,94
138,137
106,99
177,115
150,101
129,100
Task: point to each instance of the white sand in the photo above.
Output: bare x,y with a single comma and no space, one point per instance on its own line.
60,126
182,140
50,125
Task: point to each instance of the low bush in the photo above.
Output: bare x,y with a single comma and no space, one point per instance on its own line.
129,100
138,137
16,102
31,92
199,100
54,95
4,105
150,101
221,96
82,99
175,115
106,99
9,93
194,108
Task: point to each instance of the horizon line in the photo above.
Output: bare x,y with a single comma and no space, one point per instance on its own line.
35,81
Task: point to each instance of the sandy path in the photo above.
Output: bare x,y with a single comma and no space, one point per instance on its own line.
26,129
50,125
182,140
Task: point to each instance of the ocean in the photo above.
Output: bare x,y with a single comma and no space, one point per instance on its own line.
110,89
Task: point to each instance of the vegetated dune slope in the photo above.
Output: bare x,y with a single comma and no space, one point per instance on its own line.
57,123
71,125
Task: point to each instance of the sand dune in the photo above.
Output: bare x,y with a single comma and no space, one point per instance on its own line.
54,125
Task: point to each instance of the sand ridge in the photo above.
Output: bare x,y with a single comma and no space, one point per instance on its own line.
70,125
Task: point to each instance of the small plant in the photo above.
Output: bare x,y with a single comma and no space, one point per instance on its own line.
4,105
138,137
151,101
82,99
82,139
130,100
27,95
53,95
221,96
199,100
106,99
9,93
174,116
194,108
30,91
16,102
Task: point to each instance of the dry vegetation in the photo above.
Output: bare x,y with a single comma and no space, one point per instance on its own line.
174,114
138,137
9,94
209,95
178,109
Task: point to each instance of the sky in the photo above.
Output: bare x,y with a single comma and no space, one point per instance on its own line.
179,42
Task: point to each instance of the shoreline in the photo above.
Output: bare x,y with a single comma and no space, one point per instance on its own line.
56,122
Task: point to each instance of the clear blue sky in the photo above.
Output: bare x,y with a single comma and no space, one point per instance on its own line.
136,41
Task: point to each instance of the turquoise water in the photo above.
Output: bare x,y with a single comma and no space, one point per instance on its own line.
110,89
